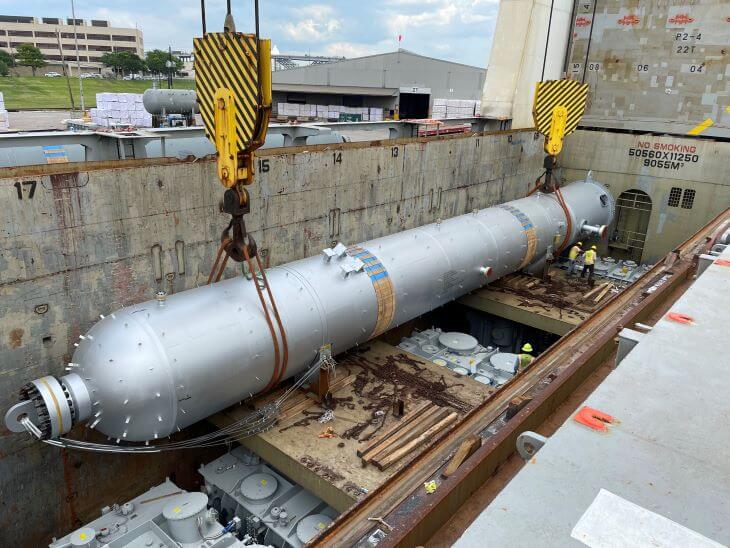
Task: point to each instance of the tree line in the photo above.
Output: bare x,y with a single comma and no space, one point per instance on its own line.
121,62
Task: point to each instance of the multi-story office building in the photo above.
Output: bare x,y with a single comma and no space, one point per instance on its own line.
95,38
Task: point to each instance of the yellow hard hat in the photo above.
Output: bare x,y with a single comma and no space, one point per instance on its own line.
593,247
579,243
527,347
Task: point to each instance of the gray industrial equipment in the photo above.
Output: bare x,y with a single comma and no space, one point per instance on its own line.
165,516
528,443
147,371
169,101
273,510
462,354
622,271
170,107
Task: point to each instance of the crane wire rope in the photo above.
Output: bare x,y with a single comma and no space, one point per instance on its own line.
253,423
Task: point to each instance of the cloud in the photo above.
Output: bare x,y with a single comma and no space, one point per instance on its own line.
437,18
457,30
352,49
308,30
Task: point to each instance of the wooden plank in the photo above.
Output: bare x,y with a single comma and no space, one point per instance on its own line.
405,435
339,384
298,407
394,428
403,451
593,291
467,448
602,293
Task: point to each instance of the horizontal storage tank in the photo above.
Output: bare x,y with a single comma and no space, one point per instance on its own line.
148,370
169,101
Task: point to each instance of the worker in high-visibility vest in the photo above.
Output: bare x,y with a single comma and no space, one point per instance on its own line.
573,255
589,263
525,358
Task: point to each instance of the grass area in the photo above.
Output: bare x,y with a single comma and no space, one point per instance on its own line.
39,92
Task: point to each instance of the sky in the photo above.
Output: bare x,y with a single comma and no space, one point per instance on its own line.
457,30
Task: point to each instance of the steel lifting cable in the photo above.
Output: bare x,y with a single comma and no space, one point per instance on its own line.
563,205
277,371
568,219
537,185
221,249
280,361
248,426
285,357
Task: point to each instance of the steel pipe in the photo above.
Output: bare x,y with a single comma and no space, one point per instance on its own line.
150,370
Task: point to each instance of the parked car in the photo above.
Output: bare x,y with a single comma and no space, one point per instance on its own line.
53,74
91,75
132,77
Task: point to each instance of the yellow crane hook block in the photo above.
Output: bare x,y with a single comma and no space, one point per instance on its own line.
233,83
558,108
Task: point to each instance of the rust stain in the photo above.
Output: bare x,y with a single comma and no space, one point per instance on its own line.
311,235
126,292
16,338
49,169
70,493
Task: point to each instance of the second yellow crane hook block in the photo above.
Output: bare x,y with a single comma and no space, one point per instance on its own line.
558,108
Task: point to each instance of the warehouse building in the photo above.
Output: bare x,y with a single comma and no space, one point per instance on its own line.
95,38
400,83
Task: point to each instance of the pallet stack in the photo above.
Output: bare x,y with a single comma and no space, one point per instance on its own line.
455,108
120,109
422,425
4,122
327,112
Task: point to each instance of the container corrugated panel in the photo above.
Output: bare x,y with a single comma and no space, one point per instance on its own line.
653,66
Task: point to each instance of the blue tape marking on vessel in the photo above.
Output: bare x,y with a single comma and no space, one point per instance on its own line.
529,229
382,285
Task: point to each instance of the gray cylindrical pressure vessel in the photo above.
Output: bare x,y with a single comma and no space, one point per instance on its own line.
185,517
159,366
171,101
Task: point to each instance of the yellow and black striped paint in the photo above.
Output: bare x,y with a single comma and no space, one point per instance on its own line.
231,60
570,94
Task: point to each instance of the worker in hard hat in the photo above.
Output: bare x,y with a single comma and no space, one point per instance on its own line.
589,263
573,255
525,358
